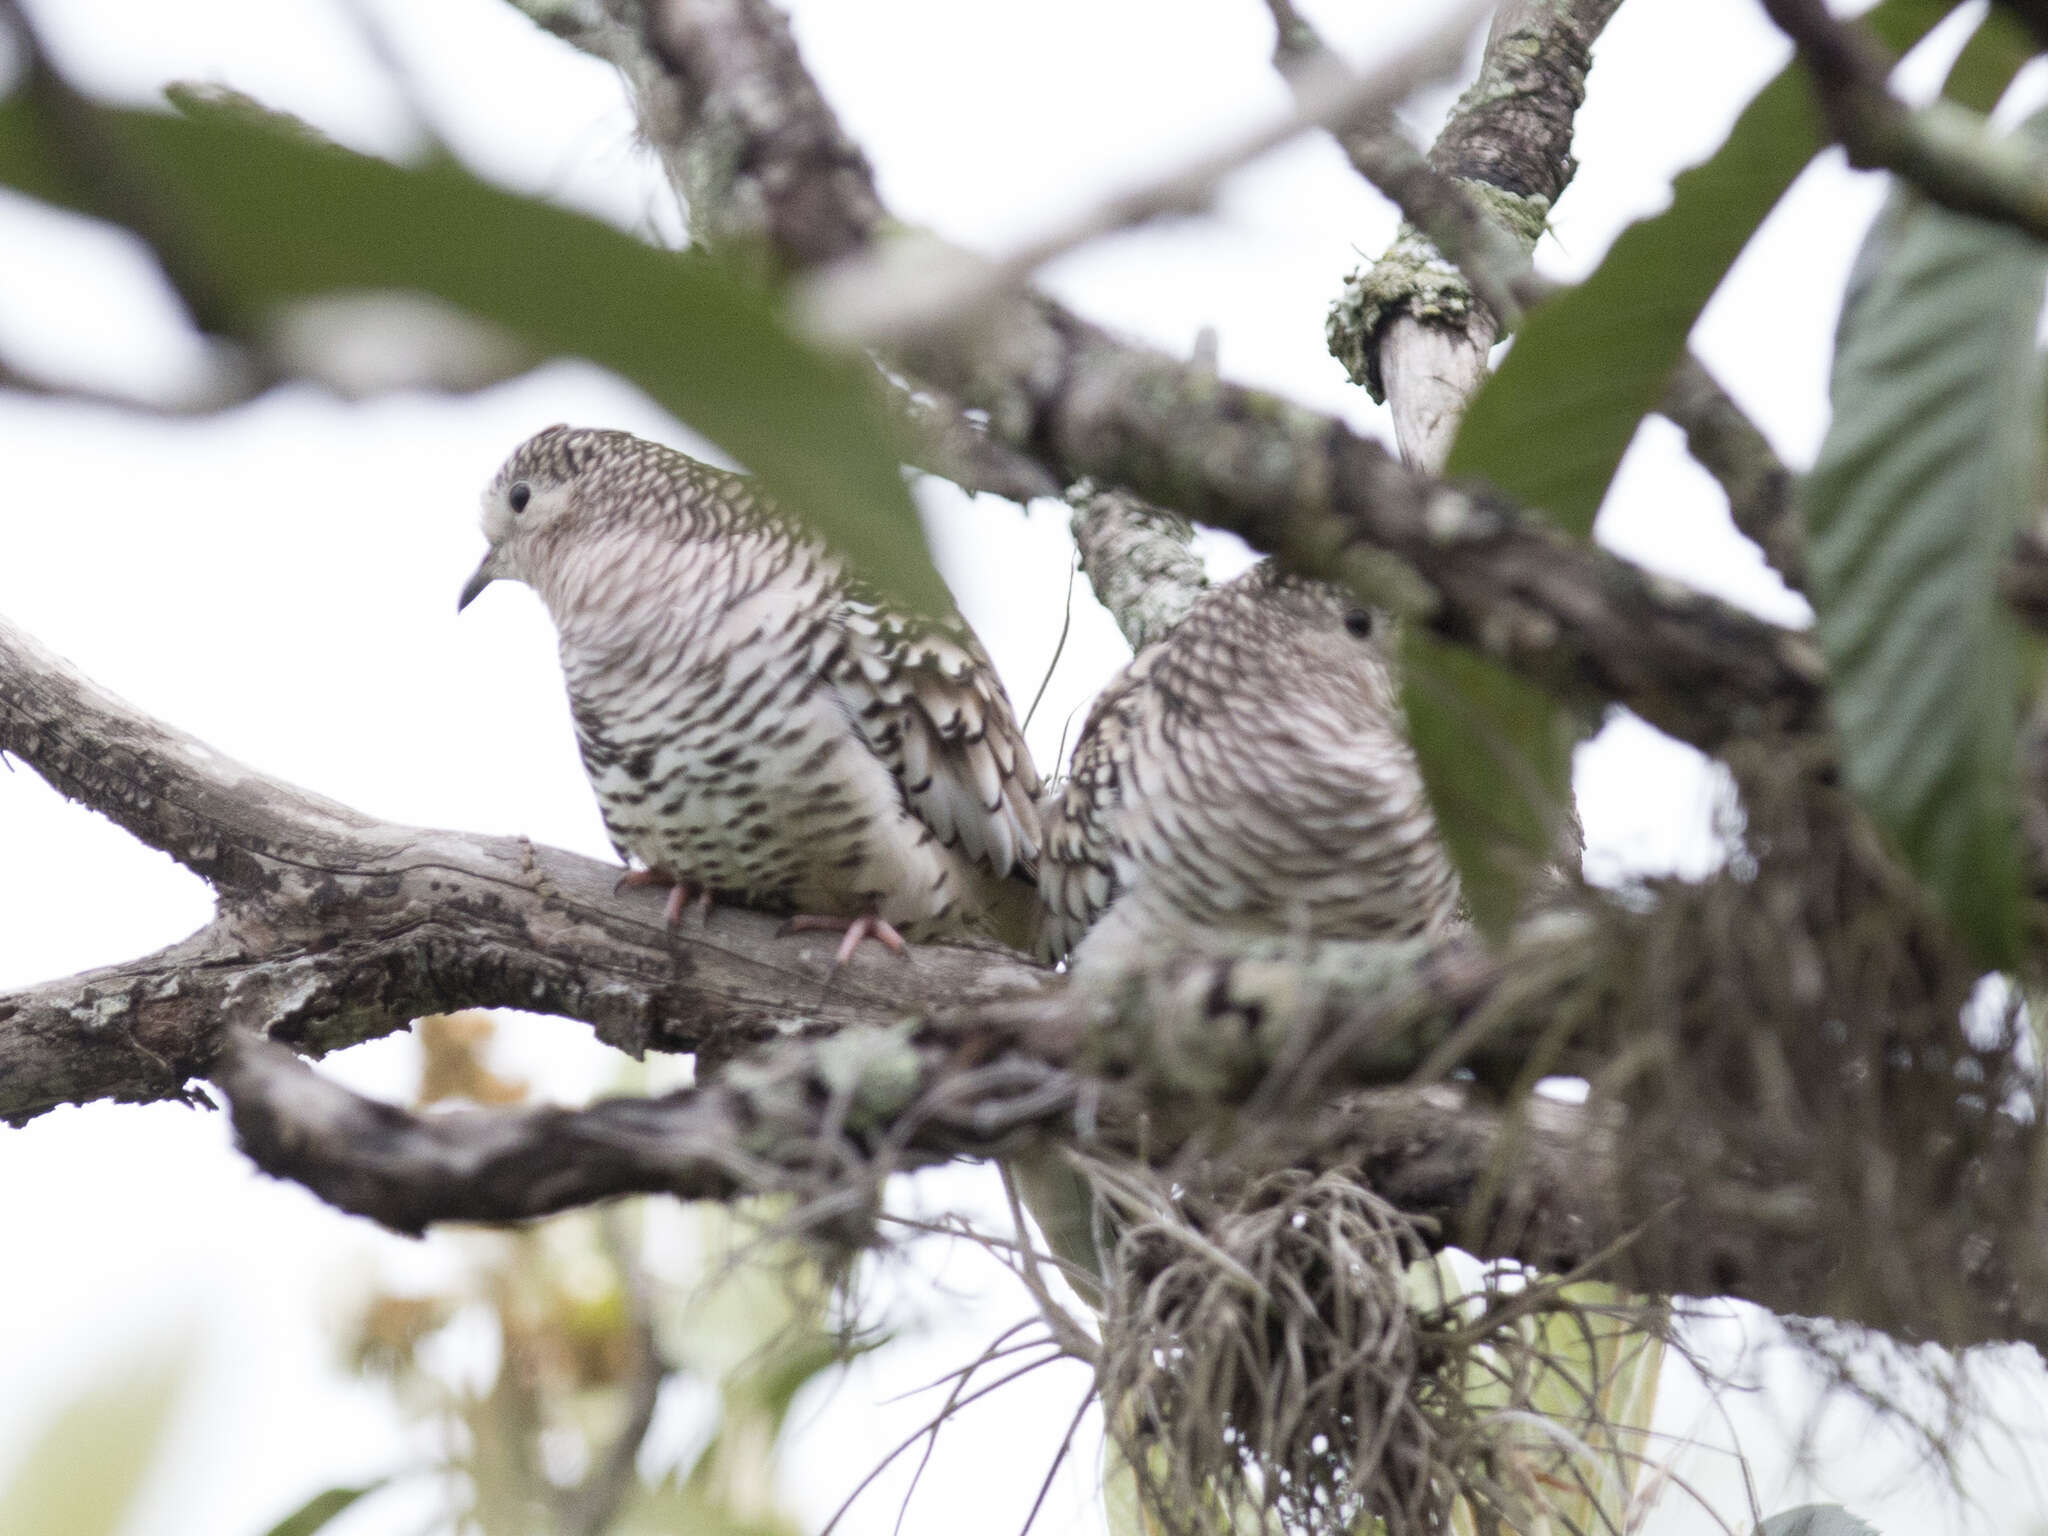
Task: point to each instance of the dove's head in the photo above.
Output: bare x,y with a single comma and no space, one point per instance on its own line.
580,490
1294,635
538,500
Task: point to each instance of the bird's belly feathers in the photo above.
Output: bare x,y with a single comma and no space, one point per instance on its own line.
743,773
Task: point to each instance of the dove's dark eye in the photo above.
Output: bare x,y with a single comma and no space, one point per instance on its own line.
1359,622
519,495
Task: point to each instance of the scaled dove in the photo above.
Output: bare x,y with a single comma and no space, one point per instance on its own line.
1244,779
758,728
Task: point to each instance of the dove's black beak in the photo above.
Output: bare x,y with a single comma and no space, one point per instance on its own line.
483,578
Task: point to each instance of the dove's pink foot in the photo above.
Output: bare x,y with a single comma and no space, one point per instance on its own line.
682,894
857,929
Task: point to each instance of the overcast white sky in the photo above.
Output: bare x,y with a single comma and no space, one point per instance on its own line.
281,580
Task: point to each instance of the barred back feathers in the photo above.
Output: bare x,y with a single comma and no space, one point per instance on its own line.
1247,777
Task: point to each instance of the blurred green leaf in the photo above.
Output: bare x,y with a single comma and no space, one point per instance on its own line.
271,217
1989,60
757,1325
1815,1520
1496,755
82,1472
1551,426
1124,1509
670,1510
1590,1377
317,1511
1932,465
1599,1382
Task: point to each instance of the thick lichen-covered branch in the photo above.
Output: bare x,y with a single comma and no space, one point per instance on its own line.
763,162
334,928
1139,559
828,1120
1331,502
1466,238
1478,206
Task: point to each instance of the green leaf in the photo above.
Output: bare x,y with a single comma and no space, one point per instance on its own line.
1551,426
1931,467
1815,1520
272,217
1496,756
1989,60
317,1511
82,1472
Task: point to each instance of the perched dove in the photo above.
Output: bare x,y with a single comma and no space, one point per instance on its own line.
757,728
1247,777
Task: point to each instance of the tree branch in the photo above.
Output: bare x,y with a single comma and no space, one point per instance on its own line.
335,928
1294,482
1509,139
1491,258
1588,625
767,166
1456,217
828,1121
1139,560
1761,491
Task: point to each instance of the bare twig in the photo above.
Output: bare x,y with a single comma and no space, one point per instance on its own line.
870,302
1761,491
928,1432
1942,149
228,386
